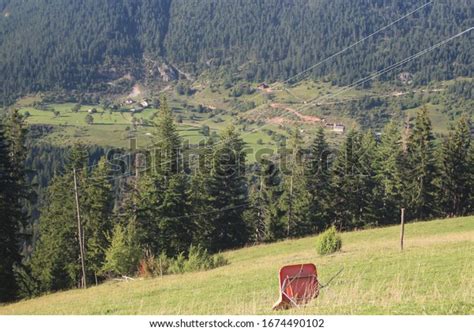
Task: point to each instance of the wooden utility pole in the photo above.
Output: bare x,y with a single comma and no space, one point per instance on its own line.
290,207
260,228
402,227
79,232
137,168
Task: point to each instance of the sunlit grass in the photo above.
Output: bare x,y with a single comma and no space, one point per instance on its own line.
433,275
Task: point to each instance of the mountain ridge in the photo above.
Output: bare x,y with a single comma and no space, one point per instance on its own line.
83,44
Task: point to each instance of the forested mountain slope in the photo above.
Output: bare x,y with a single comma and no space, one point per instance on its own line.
47,44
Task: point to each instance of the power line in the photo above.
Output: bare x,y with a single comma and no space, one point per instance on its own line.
369,77
311,102
358,42
361,81
387,69
347,48
212,212
336,54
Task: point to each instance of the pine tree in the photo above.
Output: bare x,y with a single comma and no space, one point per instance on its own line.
368,195
55,260
162,199
422,169
264,217
16,132
124,252
15,198
457,170
199,199
295,201
228,191
318,178
159,199
175,227
254,216
167,144
96,212
201,210
55,263
349,199
10,216
143,207
77,158
389,167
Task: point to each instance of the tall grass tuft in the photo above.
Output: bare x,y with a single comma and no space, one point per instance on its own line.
328,242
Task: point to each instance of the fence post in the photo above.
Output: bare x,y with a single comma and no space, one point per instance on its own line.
402,227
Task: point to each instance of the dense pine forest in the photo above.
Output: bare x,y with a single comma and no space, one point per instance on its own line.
74,214
90,45
177,203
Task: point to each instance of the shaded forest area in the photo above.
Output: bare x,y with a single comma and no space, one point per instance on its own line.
90,45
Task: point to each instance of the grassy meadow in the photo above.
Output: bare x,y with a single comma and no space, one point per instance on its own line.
433,275
114,129
262,111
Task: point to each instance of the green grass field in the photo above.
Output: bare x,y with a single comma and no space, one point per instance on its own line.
112,128
433,275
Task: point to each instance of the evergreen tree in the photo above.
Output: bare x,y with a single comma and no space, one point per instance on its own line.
389,167
143,207
422,169
96,212
368,195
15,199
10,216
167,145
228,191
175,227
264,217
199,199
124,252
295,201
318,178
254,216
55,263
16,133
457,170
160,202
348,183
